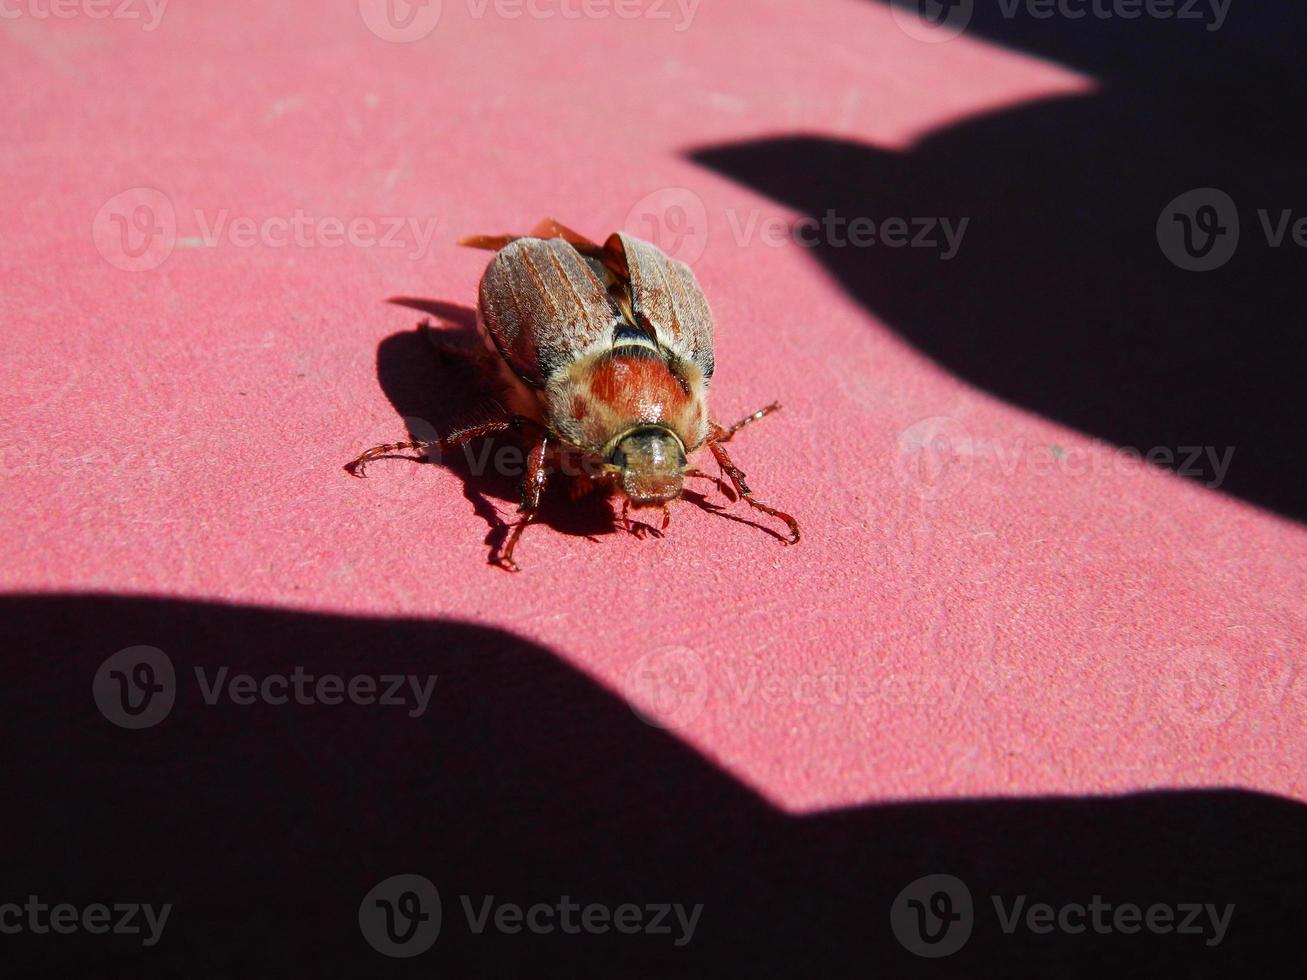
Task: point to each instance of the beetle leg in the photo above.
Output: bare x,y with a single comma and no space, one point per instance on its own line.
477,431
721,484
725,435
639,528
736,477
357,467
537,475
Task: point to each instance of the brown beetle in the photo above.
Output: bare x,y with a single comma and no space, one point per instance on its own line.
602,358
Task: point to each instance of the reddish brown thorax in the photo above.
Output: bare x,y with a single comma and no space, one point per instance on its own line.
639,387
616,390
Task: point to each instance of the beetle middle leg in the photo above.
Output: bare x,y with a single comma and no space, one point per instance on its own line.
722,485
736,476
537,476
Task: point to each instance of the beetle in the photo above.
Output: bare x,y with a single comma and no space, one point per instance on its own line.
600,358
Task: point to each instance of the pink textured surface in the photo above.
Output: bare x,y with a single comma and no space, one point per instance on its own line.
1016,612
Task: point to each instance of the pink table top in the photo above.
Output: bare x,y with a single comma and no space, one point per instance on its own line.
205,220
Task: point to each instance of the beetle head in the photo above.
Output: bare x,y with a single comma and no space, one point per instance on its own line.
651,460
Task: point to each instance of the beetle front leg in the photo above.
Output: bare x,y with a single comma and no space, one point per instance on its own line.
537,476
736,477
640,528
726,435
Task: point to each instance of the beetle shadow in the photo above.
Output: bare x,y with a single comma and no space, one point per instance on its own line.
436,389
431,379
1058,298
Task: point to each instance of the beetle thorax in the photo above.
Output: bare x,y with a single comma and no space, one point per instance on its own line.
603,395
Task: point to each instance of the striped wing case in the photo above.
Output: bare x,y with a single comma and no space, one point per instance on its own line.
666,300
542,305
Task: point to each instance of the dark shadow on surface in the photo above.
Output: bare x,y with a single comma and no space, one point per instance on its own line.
1059,299
265,825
